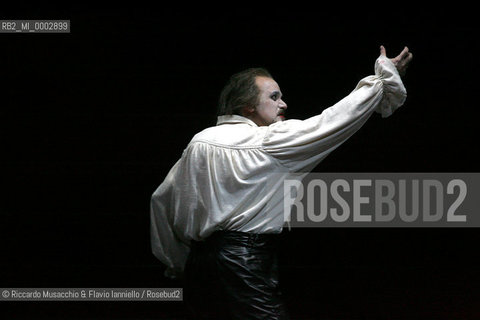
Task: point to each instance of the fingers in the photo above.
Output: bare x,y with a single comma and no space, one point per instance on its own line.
401,61
408,57
405,57
383,52
404,54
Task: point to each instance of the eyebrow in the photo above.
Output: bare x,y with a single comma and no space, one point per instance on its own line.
276,92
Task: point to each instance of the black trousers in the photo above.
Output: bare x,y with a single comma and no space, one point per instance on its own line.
234,275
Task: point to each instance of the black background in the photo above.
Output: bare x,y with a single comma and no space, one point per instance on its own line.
91,122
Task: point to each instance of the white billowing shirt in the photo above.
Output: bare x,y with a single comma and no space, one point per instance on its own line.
230,177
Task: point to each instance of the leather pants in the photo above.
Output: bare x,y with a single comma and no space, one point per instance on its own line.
234,275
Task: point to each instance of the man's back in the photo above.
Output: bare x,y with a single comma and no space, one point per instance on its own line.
215,215
230,177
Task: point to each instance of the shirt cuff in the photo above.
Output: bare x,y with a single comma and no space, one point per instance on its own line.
394,92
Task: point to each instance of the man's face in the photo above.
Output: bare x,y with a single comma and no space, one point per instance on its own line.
271,107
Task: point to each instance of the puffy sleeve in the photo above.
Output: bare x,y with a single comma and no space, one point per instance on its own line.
301,145
166,243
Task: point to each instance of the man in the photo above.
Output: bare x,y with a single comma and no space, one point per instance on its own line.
216,216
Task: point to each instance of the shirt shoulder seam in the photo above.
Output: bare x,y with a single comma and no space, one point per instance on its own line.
271,155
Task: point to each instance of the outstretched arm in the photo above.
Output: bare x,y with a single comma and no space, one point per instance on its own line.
300,145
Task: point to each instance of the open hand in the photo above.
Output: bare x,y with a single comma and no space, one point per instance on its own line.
401,61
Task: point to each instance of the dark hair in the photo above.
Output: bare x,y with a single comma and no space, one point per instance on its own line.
241,91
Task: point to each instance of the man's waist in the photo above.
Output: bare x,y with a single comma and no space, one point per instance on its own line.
241,238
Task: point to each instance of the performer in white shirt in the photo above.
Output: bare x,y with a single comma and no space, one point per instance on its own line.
221,205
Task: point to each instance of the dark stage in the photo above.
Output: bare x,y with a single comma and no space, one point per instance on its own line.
91,122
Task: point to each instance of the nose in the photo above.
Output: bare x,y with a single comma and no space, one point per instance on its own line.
283,105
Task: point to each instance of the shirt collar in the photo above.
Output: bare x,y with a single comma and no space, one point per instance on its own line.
234,118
